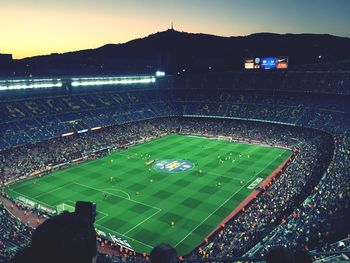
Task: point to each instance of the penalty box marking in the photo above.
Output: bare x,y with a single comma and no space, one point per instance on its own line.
143,221
112,231
125,236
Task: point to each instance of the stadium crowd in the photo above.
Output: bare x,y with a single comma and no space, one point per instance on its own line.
308,99
13,234
324,216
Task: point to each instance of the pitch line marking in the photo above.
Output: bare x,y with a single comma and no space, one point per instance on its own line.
118,190
142,222
53,190
86,186
225,176
102,191
125,236
71,166
31,198
106,215
96,210
225,201
210,214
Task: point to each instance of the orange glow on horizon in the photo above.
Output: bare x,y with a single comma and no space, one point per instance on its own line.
39,27
42,31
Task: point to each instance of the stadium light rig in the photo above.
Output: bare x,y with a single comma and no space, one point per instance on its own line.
76,82
83,131
67,134
17,84
160,73
29,84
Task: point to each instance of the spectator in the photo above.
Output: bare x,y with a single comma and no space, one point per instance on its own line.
163,253
68,237
279,254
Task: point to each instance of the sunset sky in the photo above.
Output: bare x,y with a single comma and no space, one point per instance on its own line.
38,27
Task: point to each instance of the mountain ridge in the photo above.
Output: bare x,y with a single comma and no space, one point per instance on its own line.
172,51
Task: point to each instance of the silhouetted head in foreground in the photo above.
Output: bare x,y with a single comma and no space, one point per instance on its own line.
68,237
302,256
163,253
280,254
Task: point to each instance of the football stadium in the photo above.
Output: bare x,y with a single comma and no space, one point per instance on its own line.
178,147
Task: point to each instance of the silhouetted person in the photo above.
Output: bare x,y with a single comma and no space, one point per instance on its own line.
163,253
279,254
68,237
302,256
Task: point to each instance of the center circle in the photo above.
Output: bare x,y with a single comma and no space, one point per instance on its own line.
173,166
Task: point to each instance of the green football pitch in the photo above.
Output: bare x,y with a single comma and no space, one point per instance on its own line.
179,199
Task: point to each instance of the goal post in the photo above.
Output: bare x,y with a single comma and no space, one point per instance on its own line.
64,207
225,138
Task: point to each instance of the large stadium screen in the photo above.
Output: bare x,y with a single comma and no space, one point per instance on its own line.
249,63
266,63
282,62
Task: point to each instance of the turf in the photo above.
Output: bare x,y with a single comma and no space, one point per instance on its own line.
141,202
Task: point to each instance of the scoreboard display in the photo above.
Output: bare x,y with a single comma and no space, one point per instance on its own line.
282,62
266,63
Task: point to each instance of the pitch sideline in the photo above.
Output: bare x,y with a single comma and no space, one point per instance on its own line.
205,219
